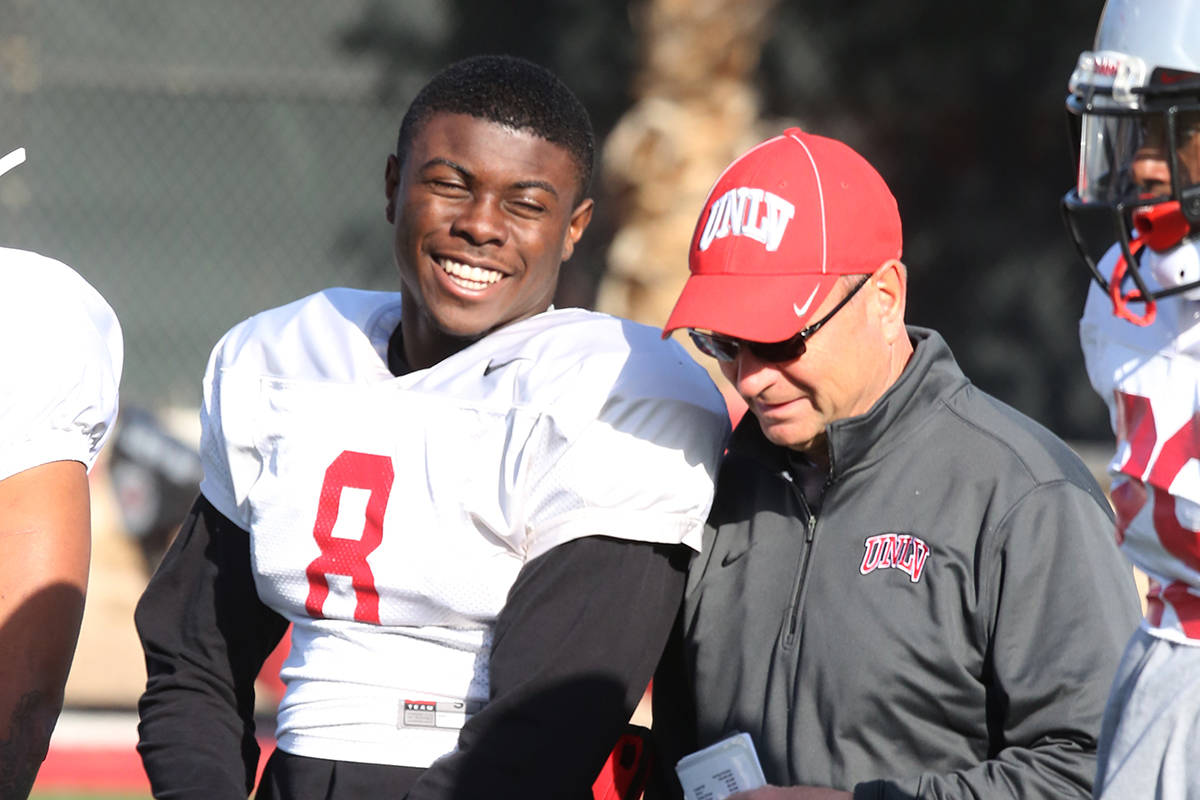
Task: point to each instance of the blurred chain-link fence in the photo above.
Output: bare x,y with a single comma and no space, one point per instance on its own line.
198,162
201,161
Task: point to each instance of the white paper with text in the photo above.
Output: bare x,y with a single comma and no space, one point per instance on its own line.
719,770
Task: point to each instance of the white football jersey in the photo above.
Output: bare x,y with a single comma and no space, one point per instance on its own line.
60,364
389,516
1150,378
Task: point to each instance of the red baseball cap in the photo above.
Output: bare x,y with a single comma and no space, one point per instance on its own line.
781,224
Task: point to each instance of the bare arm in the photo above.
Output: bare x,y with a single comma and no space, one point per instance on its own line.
45,539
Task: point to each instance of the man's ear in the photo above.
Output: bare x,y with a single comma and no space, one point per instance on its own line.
891,284
391,182
580,217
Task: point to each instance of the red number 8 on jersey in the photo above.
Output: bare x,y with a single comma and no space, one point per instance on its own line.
341,556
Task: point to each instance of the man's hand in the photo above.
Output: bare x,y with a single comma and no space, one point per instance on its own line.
792,793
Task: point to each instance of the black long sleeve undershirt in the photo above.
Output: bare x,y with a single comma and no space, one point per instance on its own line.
205,634
574,647
674,733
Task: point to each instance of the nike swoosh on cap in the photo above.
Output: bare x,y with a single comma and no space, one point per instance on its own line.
801,309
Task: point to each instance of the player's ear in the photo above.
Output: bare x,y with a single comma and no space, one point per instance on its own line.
580,217
391,182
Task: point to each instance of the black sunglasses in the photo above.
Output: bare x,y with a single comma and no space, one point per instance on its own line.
726,348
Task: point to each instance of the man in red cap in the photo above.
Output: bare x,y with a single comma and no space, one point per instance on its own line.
906,587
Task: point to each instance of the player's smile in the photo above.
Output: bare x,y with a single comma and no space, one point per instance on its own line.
483,216
466,276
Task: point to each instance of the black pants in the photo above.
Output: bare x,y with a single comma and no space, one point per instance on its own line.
291,777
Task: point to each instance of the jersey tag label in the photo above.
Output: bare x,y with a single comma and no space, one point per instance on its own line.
436,713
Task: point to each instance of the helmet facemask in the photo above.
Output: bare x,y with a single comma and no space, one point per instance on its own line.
1139,170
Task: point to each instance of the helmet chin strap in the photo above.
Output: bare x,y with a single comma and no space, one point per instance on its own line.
1121,301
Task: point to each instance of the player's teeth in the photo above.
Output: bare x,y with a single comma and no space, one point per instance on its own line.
474,277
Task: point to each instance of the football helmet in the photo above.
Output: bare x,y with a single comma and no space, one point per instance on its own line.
1134,101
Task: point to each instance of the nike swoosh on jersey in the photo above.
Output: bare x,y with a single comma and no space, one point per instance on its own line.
492,366
801,309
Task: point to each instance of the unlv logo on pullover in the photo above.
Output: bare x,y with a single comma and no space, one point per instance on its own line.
900,551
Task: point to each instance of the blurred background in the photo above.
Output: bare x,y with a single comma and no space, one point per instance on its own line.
198,162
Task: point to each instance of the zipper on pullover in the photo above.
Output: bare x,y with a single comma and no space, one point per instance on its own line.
793,611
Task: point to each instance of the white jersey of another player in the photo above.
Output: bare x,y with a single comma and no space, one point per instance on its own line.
60,364
389,516
1150,378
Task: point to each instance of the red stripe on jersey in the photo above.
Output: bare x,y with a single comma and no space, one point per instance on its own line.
1185,605
1182,447
1135,424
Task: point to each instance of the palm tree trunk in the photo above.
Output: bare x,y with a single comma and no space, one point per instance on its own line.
696,109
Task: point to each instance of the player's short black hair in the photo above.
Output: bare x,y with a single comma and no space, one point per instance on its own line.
510,91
